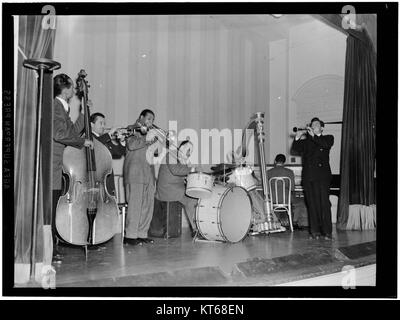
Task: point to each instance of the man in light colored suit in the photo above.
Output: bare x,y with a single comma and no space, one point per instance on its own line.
171,182
139,181
65,133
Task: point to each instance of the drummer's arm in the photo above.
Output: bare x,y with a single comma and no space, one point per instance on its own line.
176,168
179,169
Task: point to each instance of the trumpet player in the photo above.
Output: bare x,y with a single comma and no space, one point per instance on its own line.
117,150
139,180
316,176
113,140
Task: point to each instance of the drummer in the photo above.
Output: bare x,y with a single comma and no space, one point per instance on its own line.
171,181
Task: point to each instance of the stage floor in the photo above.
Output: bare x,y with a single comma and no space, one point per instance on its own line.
256,260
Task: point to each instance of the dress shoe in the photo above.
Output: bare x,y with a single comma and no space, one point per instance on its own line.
194,233
133,242
96,247
313,237
146,240
328,237
57,258
57,254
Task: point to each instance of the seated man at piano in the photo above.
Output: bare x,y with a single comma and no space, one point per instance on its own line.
112,140
171,181
279,170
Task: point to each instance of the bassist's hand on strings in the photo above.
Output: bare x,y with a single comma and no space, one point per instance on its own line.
88,143
89,104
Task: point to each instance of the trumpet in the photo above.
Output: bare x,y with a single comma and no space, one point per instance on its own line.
127,131
295,129
161,134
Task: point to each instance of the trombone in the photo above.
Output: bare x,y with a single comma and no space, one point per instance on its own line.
168,140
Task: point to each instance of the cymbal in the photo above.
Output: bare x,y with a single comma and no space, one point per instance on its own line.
224,166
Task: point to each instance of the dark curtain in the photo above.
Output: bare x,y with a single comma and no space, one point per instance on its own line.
358,131
357,162
34,42
363,21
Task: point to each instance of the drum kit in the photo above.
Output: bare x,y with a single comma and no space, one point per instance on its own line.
224,210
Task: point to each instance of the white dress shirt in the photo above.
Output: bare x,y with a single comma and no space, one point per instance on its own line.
64,103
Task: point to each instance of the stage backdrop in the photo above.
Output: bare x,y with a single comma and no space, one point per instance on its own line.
192,69
208,71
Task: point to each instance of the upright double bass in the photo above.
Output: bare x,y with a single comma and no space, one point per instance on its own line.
87,214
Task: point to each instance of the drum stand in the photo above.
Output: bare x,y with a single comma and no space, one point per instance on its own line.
198,238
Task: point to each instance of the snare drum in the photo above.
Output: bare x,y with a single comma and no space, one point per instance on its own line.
199,185
225,216
242,177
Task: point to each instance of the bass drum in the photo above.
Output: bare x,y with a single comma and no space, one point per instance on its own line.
225,216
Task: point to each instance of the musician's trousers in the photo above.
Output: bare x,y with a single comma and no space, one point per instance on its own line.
318,206
52,219
140,198
190,209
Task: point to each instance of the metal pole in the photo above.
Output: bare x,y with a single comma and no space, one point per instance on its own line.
39,65
260,131
36,178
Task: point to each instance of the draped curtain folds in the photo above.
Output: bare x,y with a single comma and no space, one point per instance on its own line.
357,209
357,196
33,42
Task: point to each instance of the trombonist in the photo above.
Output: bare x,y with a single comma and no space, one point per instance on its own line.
116,148
139,181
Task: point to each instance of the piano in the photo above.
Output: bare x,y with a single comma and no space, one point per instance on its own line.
298,188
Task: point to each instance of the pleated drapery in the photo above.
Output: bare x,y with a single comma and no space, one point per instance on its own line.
357,203
34,42
358,135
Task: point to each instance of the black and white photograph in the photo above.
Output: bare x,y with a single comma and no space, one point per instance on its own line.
201,149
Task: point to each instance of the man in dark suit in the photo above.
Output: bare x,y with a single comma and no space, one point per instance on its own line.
116,148
279,170
171,182
316,176
65,133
